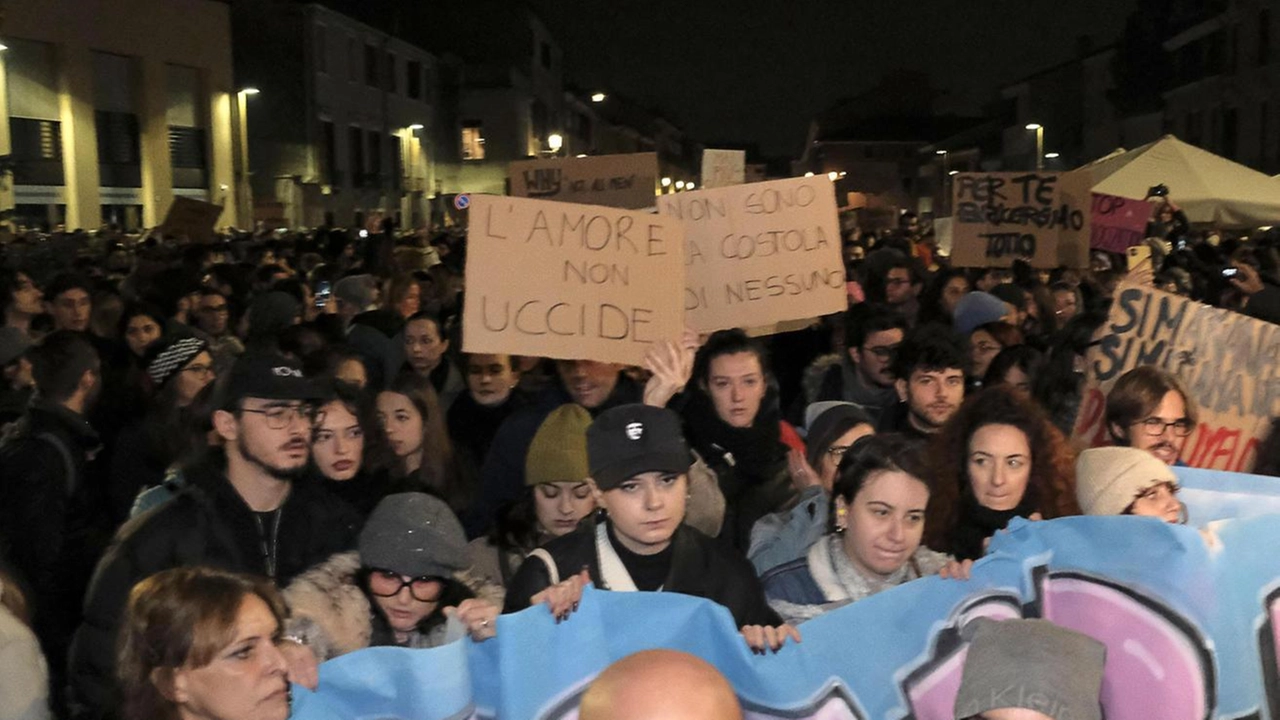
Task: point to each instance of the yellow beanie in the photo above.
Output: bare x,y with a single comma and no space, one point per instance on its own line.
558,452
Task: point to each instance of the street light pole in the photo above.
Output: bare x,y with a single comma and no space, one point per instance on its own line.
1039,144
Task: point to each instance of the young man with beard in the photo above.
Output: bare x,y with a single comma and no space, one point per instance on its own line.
1149,410
929,369
241,510
864,375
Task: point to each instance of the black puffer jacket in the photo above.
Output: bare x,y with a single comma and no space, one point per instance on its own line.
209,524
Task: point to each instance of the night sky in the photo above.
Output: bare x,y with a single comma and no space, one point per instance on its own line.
759,70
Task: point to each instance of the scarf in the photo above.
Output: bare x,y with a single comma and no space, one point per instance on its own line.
977,523
754,452
841,581
871,398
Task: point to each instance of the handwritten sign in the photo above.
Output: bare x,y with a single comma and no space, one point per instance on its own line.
1001,217
723,168
570,281
622,181
193,218
1118,222
1225,360
760,254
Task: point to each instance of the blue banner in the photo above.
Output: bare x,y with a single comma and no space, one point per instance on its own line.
1189,619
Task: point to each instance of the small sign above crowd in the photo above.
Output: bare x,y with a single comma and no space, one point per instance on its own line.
1000,217
622,181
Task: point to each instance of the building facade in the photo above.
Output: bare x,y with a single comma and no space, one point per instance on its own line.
343,129
112,109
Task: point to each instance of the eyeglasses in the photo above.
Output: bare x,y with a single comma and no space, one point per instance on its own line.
280,417
385,583
201,370
1155,427
883,352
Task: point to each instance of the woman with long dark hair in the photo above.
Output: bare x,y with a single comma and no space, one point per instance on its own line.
349,451
411,417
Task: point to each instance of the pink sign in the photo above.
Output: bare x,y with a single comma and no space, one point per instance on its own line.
1118,222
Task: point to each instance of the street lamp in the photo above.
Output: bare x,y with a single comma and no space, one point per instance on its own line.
666,182
809,174
689,185
1039,143
416,126
598,97
3,47
833,175
679,184
1051,156
555,142
250,91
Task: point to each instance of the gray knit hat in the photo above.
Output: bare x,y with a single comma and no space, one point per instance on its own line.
413,534
1109,479
1031,664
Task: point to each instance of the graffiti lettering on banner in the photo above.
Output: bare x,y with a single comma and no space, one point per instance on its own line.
1190,624
1118,223
1039,217
622,181
570,281
760,254
1225,360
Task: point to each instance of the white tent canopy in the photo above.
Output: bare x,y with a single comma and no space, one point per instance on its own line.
1208,188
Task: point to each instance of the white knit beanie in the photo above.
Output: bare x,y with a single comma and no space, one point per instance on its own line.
1109,479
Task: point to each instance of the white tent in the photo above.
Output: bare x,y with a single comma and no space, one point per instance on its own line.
1209,188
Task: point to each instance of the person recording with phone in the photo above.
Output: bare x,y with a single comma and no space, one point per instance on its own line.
1168,222
1261,294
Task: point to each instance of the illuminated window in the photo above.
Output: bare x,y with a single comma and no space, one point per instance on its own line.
472,141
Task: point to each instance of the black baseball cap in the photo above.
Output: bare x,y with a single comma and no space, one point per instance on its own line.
631,439
266,375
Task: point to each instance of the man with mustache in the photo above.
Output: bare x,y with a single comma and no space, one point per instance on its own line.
241,510
930,369
1149,410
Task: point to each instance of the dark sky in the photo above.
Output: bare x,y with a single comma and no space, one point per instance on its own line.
758,70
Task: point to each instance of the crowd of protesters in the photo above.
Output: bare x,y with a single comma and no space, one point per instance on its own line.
224,463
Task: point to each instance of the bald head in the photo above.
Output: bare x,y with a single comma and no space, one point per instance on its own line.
660,684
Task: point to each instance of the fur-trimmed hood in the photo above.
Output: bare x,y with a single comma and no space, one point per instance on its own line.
330,611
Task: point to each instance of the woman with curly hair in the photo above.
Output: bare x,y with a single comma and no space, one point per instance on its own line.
998,458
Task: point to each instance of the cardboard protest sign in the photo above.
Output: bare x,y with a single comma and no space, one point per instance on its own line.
1226,362
192,218
759,254
570,281
622,181
1118,223
1000,217
723,168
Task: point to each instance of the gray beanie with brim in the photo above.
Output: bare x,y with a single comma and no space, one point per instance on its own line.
413,534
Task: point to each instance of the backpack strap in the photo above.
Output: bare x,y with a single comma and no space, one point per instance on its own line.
68,462
552,570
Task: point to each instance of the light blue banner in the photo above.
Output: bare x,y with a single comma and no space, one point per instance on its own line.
1189,620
